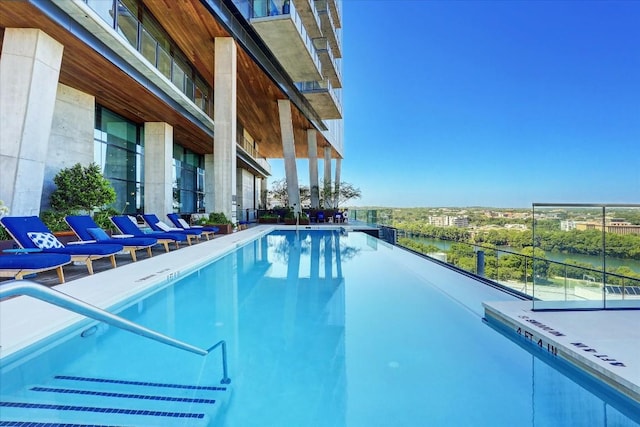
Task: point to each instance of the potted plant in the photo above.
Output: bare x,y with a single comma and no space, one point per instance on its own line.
220,220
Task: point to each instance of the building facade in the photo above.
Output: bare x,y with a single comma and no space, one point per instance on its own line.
180,106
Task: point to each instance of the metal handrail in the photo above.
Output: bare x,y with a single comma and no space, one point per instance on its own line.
35,290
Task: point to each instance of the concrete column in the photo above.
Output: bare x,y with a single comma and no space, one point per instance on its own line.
158,168
209,185
337,182
264,190
312,142
289,149
29,72
327,176
71,130
225,118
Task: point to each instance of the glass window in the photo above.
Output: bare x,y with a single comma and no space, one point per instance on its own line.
119,153
188,180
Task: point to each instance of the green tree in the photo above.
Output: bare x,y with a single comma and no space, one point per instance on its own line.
81,188
336,197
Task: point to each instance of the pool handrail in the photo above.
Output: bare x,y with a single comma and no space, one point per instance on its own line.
67,302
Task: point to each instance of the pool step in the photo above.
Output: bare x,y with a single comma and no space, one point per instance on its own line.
75,400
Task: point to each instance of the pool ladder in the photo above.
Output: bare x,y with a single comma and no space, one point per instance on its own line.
34,290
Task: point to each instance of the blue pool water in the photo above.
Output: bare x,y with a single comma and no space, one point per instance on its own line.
325,329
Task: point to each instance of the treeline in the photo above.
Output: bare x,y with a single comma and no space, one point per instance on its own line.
587,242
520,267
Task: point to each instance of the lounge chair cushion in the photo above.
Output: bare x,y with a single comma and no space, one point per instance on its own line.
44,240
98,234
33,261
164,227
184,223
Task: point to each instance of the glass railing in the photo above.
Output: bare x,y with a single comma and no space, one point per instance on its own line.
585,257
603,242
126,24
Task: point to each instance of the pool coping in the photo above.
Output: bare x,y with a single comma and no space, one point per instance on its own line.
602,343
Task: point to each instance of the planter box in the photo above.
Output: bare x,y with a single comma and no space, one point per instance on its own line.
268,220
224,228
290,221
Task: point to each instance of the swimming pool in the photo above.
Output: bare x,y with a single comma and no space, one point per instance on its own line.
323,329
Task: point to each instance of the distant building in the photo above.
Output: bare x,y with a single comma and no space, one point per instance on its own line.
449,221
567,225
615,226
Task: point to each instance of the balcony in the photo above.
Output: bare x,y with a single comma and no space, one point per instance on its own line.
329,65
282,30
307,11
322,98
335,7
329,28
251,157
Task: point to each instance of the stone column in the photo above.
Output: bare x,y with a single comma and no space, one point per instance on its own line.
225,118
327,176
289,149
29,72
312,142
158,169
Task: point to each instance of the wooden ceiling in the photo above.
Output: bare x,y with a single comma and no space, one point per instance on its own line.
194,30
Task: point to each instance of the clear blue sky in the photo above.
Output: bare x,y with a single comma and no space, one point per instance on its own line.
490,103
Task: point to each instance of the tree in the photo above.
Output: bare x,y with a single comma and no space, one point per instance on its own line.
81,188
345,192
279,192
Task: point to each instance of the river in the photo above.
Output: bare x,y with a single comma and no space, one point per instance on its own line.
552,256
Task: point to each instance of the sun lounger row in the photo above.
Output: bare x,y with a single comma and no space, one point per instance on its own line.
619,290
46,252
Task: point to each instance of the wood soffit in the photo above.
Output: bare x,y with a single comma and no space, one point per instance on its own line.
194,30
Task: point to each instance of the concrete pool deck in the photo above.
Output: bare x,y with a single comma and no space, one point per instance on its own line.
605,344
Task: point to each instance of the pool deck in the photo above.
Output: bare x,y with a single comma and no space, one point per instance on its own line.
606,344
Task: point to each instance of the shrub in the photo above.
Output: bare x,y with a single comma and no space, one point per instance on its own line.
218,218
81,188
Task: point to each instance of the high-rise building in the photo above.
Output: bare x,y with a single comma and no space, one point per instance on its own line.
180,103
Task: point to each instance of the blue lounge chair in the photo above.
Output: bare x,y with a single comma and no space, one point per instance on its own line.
321,216
87,230
181,223
19,266
156,225
126,225
31,232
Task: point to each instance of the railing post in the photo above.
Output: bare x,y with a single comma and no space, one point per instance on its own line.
480,263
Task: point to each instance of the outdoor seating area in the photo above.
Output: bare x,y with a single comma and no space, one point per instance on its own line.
38,250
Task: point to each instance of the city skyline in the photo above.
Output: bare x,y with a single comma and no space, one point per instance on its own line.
486,103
